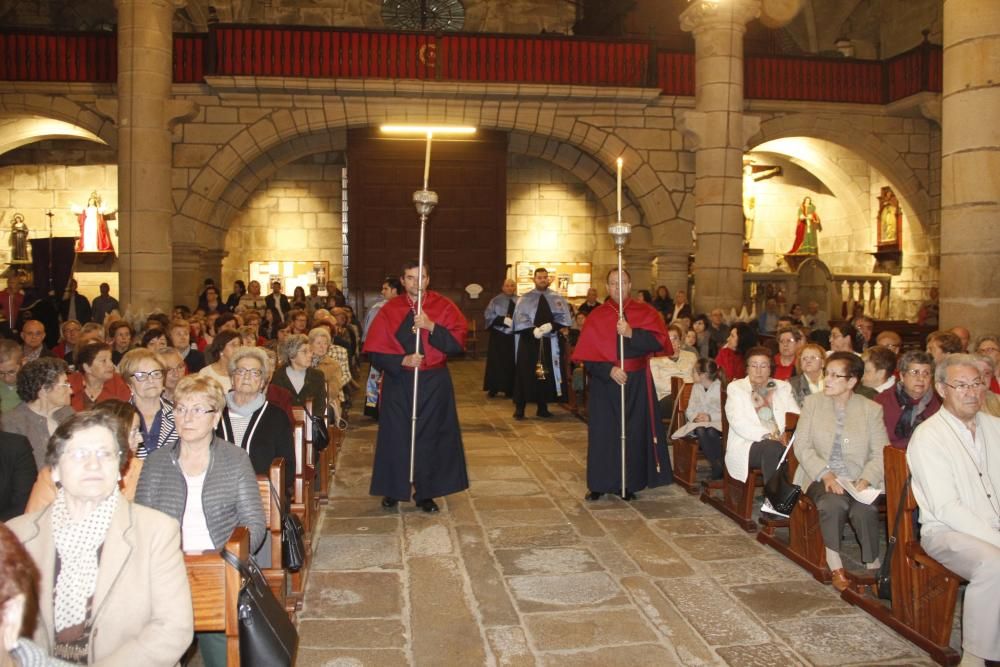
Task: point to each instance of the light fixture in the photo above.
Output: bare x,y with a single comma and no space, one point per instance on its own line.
428,129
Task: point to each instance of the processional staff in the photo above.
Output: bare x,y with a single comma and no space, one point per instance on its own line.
620,231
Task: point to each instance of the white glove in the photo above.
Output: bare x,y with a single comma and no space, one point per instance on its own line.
507,322
545,328
537,332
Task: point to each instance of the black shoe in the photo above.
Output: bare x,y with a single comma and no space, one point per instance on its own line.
428,505
491,394
388,503
519,415
593,495
629,495
544,414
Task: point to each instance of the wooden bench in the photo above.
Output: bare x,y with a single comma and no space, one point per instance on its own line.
472,338
320,463
685,452
215,586
924,592
737,498
303,505
277,578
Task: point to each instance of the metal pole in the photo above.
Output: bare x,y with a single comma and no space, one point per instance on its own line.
621,355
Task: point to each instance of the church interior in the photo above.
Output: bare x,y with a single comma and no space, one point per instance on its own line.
773,153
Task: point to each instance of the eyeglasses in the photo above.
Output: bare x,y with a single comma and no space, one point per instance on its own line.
989,350
142,376
102,455
255,373
8,374
810,358
914,373
963,388
829,374
197,410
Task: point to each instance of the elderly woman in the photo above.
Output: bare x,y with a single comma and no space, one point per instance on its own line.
144,372
95,379
250,421
809,378
205,483
756,407
911,400
319,345
840,436
843,338
989,345
987,370
125,419
296,374
45,396
153,339
174,369
120,335
218,354
114,589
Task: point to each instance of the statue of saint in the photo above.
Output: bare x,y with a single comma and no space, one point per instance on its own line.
807,230
18,241
751,175
94,236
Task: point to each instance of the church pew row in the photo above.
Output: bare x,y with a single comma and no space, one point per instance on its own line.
303,505
685,452
924,592
277,578
215,586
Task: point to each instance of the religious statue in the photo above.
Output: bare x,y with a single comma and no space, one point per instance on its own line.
752,174
890,220
94,236
18,241
807,230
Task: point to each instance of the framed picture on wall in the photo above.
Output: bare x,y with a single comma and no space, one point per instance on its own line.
290,274
889,222
570,279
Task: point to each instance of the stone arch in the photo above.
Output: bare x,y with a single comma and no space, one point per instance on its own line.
98,126
578,145
848,131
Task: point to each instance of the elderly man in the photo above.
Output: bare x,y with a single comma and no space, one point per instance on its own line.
911,400
33,335
667,366
816,319
718,332
956,480
963,335
499,316
10,364
590,303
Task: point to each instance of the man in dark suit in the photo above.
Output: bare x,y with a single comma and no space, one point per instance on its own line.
74,306
277,300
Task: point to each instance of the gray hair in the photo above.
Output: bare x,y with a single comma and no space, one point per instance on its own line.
952,361
319,332
986,359
253,353
991,338
291,346
911,357
79,422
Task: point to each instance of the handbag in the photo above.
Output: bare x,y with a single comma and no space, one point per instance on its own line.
293,543
320,437
883,580
782,494
267,635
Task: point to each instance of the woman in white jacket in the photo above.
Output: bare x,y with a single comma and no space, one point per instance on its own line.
756,407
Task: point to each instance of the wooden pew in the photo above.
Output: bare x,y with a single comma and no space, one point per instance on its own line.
319,465
924,592
276,576
685,452
737,498
302,506
215,586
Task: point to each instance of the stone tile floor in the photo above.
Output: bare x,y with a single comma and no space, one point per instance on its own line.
520,570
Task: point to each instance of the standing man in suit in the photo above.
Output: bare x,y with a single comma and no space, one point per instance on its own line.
278,301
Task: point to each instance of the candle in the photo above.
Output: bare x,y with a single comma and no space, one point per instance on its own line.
619,161
427,159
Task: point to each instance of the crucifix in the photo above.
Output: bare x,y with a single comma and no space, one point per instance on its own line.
752,173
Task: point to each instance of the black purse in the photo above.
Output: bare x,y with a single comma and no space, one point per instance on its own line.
293,542
267,635
883,580
320,437
782,494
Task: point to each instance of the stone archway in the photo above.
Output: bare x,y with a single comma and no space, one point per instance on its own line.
89,123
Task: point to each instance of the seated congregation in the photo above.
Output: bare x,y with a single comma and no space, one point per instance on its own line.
225,421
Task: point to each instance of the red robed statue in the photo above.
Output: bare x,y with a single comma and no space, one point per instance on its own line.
94,236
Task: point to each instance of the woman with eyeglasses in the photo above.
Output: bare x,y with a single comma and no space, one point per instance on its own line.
45,400
911,400
113,589
840,436
205,483
808,378
174,368
250,421
144,372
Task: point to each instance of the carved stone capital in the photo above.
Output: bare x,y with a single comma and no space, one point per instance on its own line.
704,14
692,127
931,109
179,111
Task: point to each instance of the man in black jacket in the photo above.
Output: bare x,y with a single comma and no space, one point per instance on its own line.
278,301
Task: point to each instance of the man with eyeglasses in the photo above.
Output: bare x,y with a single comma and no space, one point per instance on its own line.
911,400
10,363
954,459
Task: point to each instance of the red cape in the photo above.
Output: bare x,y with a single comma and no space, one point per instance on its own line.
382,333
599,338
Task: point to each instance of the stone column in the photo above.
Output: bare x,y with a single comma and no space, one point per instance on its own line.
188,273
672,269
970,162
144,152
639,264
717,126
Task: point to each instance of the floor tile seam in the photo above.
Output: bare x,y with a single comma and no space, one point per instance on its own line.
406,611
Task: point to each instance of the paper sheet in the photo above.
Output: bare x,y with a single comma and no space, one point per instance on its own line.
867,496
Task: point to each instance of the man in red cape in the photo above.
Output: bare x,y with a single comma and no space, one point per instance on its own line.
646,461
439,465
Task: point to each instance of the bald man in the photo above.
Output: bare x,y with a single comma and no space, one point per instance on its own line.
499,316
963,335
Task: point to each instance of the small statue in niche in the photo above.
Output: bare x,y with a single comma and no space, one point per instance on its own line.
890,220
807,230
18,241
94,236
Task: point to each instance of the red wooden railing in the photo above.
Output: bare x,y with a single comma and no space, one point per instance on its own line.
260,50
49,56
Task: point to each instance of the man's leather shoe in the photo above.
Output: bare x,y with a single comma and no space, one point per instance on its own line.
491,394
545,414
428,505
593,495
519,415
388,503
840,580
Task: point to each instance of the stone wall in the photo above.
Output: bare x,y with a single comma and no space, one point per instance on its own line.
295,215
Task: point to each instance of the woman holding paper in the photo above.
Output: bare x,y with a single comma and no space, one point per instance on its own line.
840,436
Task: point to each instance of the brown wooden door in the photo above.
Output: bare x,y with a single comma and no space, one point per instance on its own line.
466,233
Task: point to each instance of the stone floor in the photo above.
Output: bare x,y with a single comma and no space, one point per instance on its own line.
519,570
